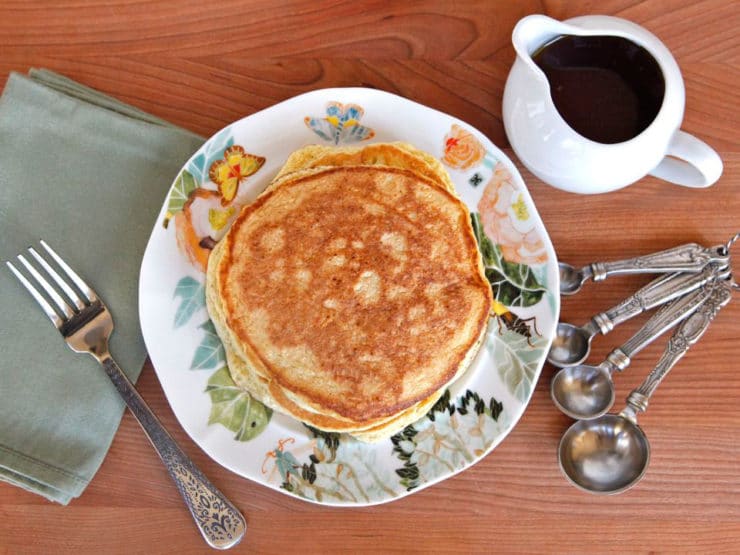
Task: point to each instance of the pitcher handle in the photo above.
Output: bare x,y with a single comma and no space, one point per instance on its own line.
689,162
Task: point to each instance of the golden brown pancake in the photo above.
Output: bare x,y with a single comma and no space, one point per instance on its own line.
245,375
350,297
395,155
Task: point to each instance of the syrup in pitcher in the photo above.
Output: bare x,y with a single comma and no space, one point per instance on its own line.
606,88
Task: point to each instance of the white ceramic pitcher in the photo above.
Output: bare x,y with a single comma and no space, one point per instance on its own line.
560,156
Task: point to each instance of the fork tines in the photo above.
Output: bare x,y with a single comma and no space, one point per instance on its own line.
59,308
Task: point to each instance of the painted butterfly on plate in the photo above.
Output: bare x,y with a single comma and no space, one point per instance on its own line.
236,165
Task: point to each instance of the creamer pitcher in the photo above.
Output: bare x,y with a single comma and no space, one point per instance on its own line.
595,103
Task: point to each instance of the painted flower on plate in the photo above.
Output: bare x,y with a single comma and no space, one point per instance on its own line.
508,221
462,149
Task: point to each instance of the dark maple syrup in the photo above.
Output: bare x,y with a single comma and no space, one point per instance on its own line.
607,88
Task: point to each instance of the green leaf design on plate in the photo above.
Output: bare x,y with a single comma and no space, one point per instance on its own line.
212,151
329,468
404,448
184,184
331,440
448,439
234,408
210,353
516,361
287,465
453,434
196,173
193,295
485,245
512,284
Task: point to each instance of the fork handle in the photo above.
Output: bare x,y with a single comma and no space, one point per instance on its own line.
220,523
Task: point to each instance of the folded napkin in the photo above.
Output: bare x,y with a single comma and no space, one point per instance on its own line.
88,174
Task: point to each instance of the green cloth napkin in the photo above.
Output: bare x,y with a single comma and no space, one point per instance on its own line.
88,174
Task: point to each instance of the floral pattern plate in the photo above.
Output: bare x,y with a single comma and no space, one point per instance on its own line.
477,411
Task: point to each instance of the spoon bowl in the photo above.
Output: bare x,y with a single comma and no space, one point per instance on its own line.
605,455
570,346
583,391
571,280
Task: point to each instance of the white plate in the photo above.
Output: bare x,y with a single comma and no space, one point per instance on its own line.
239,433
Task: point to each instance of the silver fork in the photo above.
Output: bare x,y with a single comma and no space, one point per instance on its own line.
86,324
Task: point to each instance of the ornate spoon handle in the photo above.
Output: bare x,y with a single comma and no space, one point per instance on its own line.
686,335
685,258
668,316
218,520
657,292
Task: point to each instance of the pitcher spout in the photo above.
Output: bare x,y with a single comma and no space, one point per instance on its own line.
534,31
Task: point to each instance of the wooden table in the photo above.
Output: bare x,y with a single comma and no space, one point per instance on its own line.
202,68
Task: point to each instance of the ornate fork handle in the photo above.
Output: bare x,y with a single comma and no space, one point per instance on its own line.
685,258
221,524
86,325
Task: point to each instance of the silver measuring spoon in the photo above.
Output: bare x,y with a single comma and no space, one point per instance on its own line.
583,391
610,454
684,258
571,344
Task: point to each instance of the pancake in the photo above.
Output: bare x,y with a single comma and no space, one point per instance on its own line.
246,376
349,297
395,155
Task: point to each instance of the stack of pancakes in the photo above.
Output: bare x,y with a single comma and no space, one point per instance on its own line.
351,293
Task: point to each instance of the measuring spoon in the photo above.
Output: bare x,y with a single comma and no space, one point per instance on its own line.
610,454
585,391
684,258
571,344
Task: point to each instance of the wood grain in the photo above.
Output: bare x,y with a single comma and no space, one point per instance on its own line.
204,65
